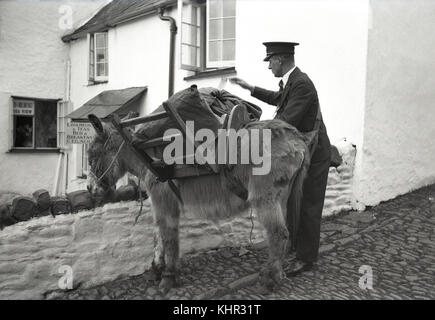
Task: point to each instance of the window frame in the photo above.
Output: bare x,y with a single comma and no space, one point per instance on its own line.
202,36
92,57
13,124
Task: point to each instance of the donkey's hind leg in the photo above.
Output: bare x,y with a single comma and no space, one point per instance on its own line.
158,264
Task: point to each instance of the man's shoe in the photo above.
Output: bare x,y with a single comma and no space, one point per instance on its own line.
296,267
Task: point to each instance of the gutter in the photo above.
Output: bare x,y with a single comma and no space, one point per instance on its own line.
173,30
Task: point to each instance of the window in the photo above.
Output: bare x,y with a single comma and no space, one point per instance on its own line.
34,124
221,34
191,58
98,57
208,35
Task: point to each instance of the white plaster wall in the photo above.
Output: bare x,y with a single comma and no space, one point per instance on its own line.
399,153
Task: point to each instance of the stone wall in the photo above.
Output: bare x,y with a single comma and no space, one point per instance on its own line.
105,243
339,192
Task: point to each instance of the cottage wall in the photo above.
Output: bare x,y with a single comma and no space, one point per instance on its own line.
398,154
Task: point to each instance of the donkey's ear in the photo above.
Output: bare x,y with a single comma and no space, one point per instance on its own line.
96,123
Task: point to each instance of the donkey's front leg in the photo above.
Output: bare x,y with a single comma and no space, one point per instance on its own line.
269,214
168,228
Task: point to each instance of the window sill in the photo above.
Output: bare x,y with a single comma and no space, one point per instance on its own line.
95,83
212,73
48,150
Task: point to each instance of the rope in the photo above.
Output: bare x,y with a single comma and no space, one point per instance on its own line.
141,204
140,198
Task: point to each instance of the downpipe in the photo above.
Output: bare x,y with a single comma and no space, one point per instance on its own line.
173,29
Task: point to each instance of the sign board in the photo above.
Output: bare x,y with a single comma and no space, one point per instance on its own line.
23,108
79,133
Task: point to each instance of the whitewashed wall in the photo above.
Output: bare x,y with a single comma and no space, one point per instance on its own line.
32,64
399,122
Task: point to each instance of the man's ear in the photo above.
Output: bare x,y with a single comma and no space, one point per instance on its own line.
96,123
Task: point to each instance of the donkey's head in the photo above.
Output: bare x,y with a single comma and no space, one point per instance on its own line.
105,156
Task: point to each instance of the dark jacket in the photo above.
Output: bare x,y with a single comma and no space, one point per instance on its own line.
298,105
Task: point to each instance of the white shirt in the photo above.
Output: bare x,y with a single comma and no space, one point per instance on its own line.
287,75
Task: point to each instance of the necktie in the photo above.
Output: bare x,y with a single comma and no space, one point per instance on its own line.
281,85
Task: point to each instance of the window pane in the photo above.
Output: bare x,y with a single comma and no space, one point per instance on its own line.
187,13
101,55
214,52
23,132
198,37
91,58
188,56
45,124
101,40
198,16
229,8
189,34
229,50
215,8
101,69
229,28
215,29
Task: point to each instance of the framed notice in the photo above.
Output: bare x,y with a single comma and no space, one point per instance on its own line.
79,133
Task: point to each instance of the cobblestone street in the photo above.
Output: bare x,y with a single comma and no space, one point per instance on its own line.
396,239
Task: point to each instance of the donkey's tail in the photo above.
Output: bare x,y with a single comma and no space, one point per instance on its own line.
295,199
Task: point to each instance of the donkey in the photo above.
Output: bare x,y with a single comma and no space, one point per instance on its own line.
208,197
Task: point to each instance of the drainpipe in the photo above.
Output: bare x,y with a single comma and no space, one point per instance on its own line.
173,29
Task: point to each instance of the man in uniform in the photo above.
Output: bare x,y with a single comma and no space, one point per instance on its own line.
297,104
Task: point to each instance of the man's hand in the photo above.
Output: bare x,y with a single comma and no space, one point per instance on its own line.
242,83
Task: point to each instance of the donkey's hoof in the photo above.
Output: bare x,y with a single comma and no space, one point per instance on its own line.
157,270
271,276
267,284
167,283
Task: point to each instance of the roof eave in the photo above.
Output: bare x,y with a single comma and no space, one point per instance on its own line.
100,28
